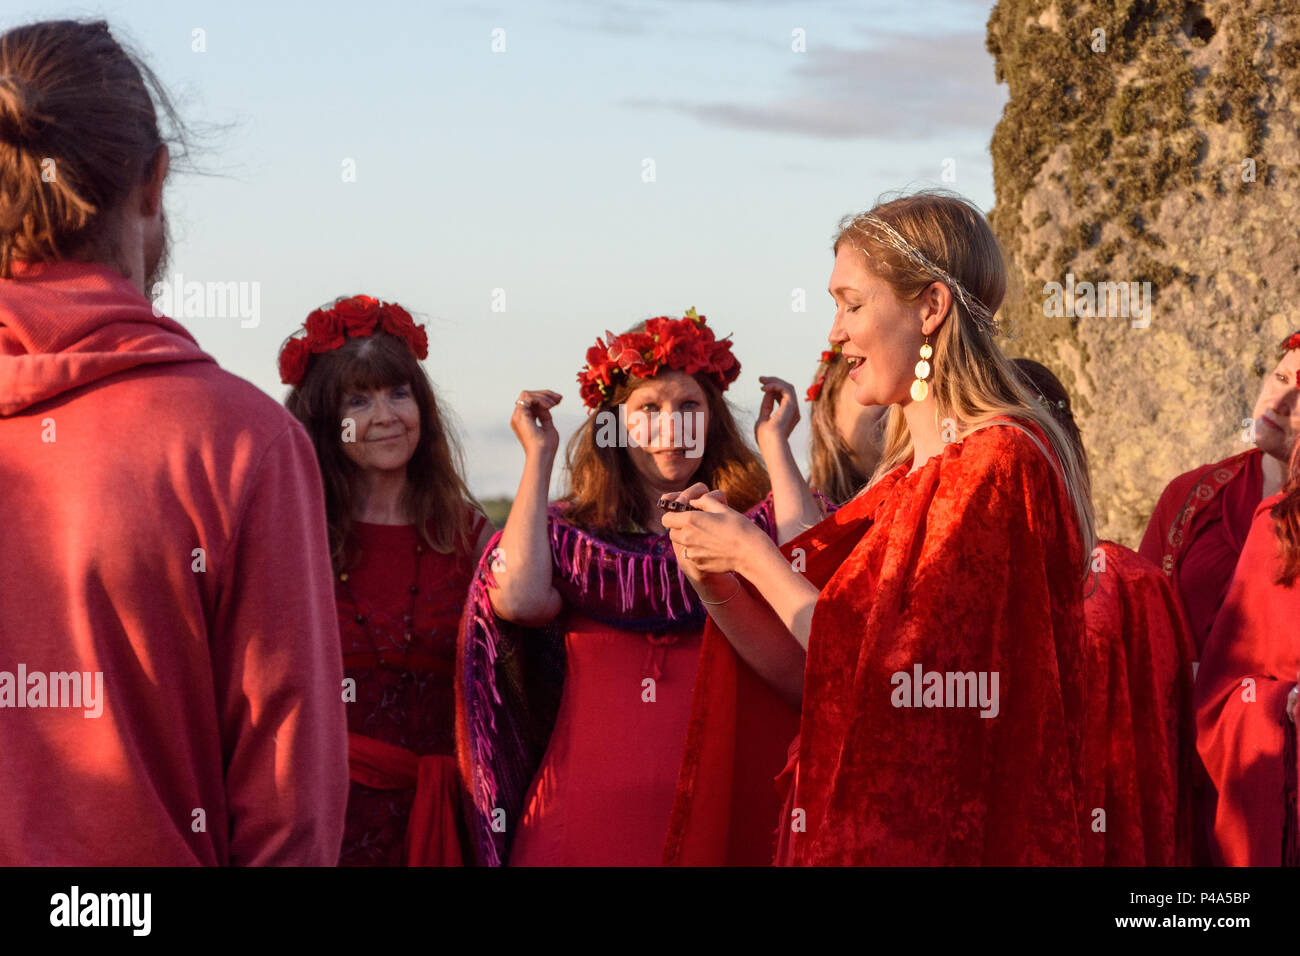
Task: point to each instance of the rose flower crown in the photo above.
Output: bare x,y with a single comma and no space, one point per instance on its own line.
355,317
683,345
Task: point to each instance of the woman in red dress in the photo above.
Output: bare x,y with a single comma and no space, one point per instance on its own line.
1200,523
405,534
941,608
581,642
1246,695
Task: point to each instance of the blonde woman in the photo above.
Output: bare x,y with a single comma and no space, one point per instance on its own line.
941,608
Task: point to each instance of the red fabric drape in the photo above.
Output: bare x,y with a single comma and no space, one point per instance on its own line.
1138,739
431,831
1247,744
972,565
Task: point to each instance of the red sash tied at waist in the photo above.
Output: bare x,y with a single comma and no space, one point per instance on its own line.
431,838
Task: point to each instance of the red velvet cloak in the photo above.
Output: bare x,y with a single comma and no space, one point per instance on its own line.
972,565
1247,744
1138,741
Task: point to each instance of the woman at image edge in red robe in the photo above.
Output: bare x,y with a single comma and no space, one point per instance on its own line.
1245,735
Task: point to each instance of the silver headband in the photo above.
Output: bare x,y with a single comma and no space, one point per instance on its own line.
977,310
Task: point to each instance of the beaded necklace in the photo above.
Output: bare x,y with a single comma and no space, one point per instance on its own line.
408,620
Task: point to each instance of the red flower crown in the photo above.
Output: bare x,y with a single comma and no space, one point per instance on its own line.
823,369
684,345
1292,342
350,318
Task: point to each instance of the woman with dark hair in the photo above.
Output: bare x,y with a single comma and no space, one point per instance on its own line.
1246,694
404,536
582,640
1138,735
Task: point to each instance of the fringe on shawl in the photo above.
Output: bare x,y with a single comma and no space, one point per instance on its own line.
496,756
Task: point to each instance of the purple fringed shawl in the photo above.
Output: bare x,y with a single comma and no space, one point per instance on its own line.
509,678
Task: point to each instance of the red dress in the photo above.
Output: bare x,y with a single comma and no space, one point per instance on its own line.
1197,532
603,793
1138,740
402,724
1244,737
969,570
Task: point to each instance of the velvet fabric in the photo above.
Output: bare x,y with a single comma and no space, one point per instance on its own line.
728,804
1245,740
1138,742
971,565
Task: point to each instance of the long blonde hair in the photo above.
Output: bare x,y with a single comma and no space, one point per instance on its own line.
972,382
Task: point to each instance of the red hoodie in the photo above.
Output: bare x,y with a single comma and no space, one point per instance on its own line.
162,524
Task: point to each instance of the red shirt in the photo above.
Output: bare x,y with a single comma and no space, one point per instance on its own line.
166,531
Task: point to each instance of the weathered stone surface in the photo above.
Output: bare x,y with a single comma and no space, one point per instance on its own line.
1133,163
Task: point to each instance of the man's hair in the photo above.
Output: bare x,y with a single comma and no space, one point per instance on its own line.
79,129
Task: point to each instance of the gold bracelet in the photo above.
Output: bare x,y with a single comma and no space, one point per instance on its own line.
732,595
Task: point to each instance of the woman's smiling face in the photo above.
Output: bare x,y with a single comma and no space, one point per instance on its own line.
880,334
386,427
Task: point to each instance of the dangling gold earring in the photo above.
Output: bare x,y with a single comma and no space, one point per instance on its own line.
920,388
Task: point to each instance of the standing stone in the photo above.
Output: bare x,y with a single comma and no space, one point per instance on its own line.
1150,141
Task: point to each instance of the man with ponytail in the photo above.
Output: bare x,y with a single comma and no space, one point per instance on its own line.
163,548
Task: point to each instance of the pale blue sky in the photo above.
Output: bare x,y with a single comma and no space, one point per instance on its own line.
522,170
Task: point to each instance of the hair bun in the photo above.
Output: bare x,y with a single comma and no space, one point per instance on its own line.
20,124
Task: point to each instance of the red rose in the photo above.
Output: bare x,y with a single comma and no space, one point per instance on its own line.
676,347
398,323
324,331
418,340
723,364
1293,342
814,390
293,361
599,366
395,320
590,393
359,315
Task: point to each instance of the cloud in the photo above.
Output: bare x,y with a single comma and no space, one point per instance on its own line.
893,86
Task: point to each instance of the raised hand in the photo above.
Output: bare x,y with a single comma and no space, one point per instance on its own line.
532,425
779,413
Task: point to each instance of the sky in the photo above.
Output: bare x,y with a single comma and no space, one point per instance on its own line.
524,176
